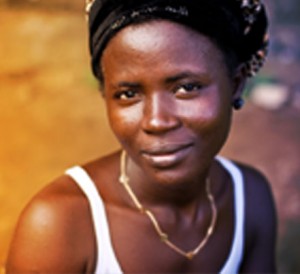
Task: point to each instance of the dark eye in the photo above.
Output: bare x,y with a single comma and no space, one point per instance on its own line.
188,89
126,95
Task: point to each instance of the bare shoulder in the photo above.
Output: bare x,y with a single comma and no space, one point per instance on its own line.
49,233
260,222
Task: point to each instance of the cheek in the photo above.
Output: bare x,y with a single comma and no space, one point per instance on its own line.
209,118
124,122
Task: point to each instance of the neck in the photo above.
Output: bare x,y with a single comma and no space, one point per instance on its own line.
124,180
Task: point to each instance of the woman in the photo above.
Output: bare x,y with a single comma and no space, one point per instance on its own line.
170,73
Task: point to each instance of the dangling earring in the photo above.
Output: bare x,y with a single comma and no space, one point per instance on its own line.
238,103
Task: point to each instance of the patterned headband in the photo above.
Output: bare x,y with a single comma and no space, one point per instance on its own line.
250,11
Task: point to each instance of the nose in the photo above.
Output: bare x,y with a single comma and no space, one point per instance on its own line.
160,114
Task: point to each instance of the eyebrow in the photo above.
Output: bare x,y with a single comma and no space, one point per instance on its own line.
127,85
168,80
182,75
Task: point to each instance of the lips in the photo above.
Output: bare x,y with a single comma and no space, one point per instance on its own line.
166,155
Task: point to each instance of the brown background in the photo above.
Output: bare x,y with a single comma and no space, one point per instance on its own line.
53,117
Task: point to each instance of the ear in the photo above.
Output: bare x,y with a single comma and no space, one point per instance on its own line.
239,83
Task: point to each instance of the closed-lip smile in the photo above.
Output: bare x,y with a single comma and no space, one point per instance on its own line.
163,149
166,155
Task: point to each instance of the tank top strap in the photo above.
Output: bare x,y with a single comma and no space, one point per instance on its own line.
235,257
106,259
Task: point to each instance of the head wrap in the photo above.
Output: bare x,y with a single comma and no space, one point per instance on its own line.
237,26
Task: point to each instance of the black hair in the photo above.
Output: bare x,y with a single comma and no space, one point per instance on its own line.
223,21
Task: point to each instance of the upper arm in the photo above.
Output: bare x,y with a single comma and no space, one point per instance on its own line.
47,238
260,225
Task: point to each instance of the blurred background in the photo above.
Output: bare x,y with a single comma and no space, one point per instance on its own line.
52,115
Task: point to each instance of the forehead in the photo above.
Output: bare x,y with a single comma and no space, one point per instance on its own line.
161,42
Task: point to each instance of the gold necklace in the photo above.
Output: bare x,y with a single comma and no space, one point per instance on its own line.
124,180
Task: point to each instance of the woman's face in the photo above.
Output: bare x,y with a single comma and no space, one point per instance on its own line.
168,97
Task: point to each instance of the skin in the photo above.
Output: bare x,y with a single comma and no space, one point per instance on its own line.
168,95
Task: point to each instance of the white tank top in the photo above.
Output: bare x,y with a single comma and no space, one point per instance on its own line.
107,262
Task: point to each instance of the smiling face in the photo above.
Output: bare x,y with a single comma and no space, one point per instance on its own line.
168,96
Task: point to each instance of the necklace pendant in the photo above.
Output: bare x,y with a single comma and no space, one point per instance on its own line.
190,255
